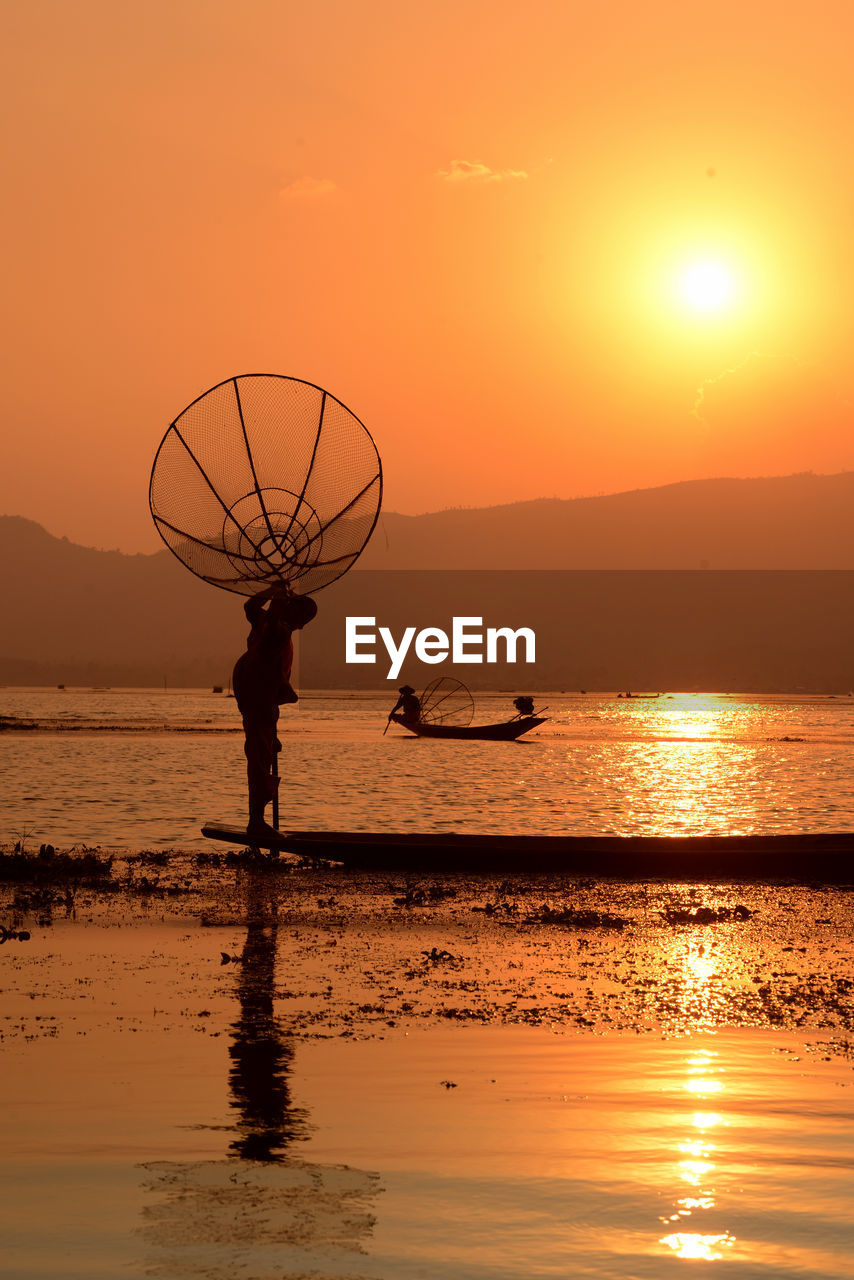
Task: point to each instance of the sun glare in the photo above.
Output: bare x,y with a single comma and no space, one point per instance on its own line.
707,286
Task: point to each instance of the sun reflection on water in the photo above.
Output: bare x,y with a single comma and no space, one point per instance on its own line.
696,1148
687,1244
690,759
698,1165
693,1171
698,973
687,1203
704,1086
706,1119
696,715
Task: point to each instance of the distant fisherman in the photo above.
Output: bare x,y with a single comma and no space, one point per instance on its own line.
409,705
261,682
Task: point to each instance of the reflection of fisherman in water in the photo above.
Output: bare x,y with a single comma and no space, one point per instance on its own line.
408,704
258,1209
261,1054
261,681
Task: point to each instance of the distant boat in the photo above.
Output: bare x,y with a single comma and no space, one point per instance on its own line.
639,695
446,710
504,731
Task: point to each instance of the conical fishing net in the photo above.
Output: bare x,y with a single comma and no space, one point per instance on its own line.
266,480
447,701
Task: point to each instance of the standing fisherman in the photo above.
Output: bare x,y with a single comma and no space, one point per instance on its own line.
261,682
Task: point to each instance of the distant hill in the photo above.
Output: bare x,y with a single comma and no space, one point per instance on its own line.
785,522
75,615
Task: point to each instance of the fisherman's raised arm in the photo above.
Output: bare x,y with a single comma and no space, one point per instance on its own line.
254,606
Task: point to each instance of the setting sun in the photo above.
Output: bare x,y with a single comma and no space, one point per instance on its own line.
707,286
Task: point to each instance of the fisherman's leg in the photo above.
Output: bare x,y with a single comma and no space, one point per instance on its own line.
260,729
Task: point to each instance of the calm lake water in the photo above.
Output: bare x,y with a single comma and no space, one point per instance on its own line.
631,1105
135,768
244,1072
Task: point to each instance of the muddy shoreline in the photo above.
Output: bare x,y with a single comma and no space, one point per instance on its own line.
358,954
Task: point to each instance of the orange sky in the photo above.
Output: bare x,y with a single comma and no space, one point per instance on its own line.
467,220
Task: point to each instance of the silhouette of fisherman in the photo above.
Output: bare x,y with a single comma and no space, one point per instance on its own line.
409,705
261,681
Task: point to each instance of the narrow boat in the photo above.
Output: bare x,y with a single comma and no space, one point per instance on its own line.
818,857
504,731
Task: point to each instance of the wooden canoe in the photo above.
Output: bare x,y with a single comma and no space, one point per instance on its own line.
826,857
504,731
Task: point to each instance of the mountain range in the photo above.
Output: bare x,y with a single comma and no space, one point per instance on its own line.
802,521
650,588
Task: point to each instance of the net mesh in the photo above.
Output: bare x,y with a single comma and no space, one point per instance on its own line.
266,480
447,701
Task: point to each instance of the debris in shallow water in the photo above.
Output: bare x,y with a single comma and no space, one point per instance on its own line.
568,916
416,896
413,898
159,857
448,1084
10,935
435,956
353,970
63,866
706,915
498,908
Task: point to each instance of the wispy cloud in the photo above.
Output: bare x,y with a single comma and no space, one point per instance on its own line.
780,408
758,371
307,188
476,171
